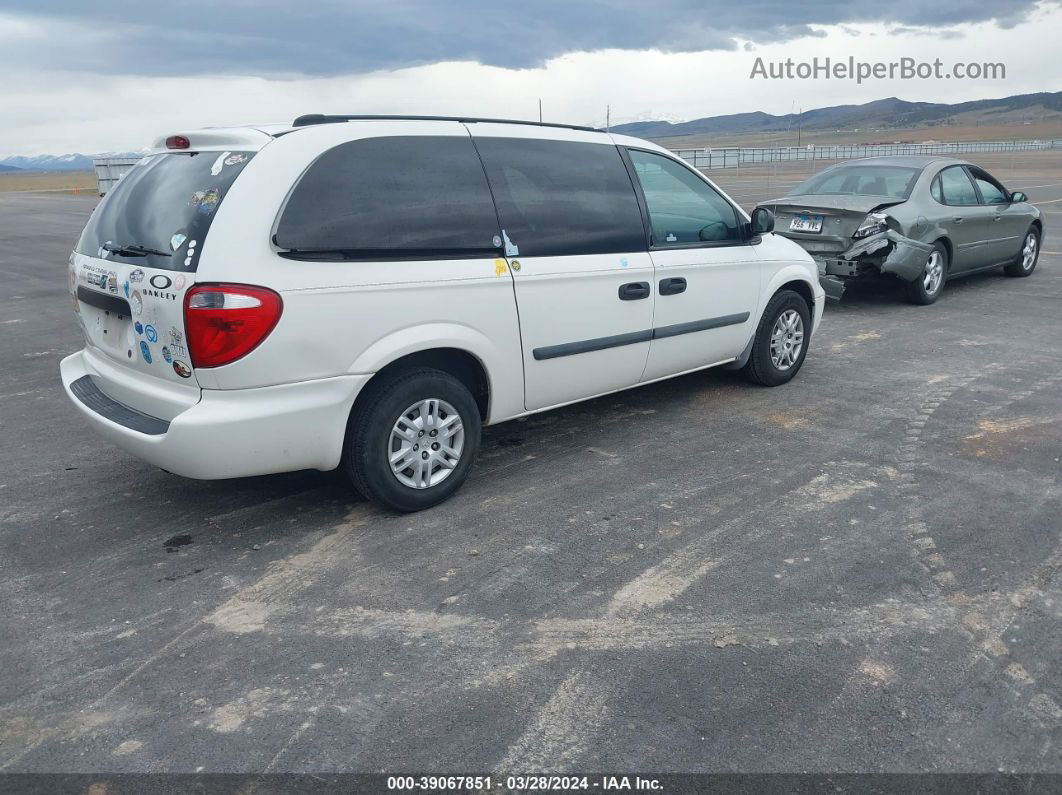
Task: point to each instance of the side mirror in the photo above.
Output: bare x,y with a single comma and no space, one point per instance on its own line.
762,221
1018,196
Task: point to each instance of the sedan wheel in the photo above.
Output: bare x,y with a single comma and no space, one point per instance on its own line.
934,273
927,287
1025,262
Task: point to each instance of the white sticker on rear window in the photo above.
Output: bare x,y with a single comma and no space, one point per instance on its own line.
219,164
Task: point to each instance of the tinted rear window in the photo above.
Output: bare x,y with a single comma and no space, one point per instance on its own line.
404,196
894,182
167,203
561,197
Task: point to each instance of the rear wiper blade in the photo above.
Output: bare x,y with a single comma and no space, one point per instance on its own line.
133,250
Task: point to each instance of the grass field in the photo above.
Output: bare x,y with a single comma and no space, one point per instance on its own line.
72,181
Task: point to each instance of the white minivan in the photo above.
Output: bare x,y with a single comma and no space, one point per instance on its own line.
367,292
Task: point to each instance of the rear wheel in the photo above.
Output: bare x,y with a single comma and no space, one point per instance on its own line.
781,341
928,286
413,440
1025,263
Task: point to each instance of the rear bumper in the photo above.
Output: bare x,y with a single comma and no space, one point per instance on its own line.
228,433
886,252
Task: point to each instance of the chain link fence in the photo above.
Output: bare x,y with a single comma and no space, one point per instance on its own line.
736,157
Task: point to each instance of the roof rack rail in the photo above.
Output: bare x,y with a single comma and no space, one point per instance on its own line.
321,118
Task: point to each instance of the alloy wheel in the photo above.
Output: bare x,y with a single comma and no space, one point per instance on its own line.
1028,251
426,443
787,339
933,277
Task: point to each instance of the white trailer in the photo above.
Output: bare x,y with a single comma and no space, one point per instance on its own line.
111,169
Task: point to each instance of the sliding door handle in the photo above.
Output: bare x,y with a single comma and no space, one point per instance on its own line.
672,286
634,291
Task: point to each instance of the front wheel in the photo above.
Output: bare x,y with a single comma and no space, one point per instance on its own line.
413,440
781,341
1025,263
930,283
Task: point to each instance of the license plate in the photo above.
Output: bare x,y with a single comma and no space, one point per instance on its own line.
806,223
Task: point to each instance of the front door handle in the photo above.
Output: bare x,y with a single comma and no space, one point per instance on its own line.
634,291
672,286
957,219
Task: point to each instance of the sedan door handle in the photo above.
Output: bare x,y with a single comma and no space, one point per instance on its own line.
672,286
957,219
634,291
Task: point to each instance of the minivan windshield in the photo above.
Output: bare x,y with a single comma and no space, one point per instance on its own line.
894,182
159,213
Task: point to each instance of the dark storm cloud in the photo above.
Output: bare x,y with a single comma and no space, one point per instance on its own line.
334,37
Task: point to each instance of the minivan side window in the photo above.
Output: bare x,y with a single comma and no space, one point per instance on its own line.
407,197
956,187
559,198
683,209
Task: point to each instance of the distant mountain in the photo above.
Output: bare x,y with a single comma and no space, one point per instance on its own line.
880,114
9,168
72,162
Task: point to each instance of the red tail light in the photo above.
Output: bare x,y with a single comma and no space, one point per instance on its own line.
177,142
223,322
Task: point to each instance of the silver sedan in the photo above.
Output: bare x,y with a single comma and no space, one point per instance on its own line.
922,219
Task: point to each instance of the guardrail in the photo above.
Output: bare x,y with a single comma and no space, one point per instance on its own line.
736,157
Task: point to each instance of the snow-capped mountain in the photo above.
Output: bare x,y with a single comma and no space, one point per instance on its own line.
70,162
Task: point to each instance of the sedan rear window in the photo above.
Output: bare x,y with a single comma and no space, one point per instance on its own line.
893,182
165,204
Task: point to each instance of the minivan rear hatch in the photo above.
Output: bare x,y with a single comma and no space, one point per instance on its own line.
136,260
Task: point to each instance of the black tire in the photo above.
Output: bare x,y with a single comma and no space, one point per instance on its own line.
1018,268
366,458
916,291
760,368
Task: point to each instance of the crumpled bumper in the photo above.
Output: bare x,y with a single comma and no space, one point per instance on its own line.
885,252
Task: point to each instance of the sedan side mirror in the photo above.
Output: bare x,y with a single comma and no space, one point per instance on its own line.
762,221
1018,196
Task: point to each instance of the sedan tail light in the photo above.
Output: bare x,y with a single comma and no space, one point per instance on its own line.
224,322
871,225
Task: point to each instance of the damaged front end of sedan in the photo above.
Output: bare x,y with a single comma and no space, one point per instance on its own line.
882,249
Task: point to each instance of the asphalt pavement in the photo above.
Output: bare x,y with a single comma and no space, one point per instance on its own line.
858,571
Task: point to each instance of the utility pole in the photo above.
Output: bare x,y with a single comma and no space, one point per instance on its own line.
608,116
799,114
540,110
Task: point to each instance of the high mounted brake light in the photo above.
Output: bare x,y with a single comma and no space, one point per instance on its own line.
224,322
177,142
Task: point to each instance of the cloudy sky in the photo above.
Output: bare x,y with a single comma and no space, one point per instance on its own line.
113,74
